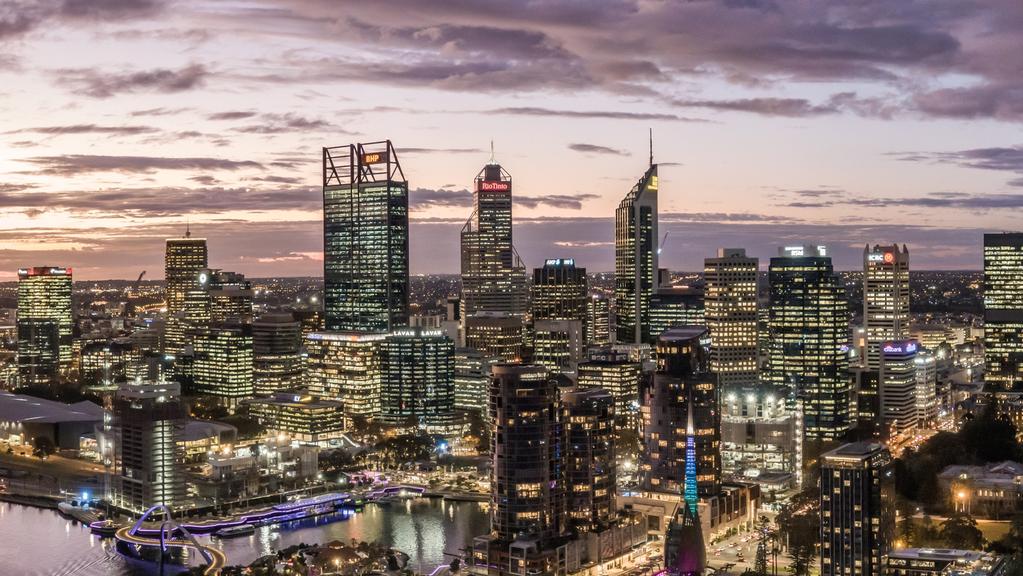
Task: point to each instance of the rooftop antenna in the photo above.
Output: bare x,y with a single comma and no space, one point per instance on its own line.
188,229
492,161
651,146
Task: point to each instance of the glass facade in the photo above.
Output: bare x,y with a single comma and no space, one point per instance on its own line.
365,239
809,333
184,259
345,366
1003,311
560,292
493,277
45,323
636,260
418,378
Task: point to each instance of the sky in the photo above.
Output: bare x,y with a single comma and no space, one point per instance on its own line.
774,123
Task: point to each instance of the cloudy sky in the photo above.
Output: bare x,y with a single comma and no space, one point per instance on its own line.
774,121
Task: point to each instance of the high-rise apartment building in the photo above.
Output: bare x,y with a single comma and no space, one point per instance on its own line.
45,322
1003,311
528,494
365,238
185,258
148,423
560,292
588,416
682,384
885,298
345,366
731,306
857,512
898,386
636,259
277,353
493,277
417,378
808,350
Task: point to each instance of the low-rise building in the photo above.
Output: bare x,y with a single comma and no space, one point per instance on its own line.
301,416
940,562
988,491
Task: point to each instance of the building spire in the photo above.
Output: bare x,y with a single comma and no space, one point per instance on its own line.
689,487
651,146
188,229
492,160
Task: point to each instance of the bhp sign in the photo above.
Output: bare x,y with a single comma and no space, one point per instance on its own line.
491,186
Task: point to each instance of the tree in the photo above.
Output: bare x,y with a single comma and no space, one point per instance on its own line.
905,530
43,446
960,531
802,557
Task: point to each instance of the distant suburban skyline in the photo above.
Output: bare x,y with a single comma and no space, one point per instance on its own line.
774,123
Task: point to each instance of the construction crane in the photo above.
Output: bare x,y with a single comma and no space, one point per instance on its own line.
663,238
129,305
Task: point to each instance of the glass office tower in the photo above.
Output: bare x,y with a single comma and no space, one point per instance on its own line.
365,238
636,259
1003,311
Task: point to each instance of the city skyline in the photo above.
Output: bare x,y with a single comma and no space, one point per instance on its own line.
125,120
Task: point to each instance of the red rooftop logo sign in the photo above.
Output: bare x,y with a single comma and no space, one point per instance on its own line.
495,186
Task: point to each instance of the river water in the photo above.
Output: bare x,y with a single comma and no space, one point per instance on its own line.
35,541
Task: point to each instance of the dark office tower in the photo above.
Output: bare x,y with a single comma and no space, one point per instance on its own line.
598,321
417,383
528,494
857,519
730,299
673,306
148,427
493,277
277,353
683,382
636,260
1003,311
365,238
184,259
885,298
559,291
809,336
44,324
588,417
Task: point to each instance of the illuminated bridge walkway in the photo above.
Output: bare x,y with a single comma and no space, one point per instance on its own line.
172,535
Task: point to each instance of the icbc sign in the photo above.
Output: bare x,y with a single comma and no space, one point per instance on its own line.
374,157
492,186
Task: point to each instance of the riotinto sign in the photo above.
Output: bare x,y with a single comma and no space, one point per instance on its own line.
494,186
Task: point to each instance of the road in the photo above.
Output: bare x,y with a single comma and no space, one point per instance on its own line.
50,476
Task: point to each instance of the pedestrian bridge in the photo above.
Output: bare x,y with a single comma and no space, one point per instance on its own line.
172,535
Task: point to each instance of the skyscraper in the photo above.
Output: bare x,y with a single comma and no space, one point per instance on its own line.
365,238
493,277
560,292
345,366
590,475
527,504
185,258
636,259
857,518
682,385
558,345
222,365
496,334
885,298
685,553
672,306
1003,311
417,380
808,349
472,379
621,376
730,301
44,324
148,424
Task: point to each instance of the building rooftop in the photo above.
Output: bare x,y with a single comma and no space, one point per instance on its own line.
683,333
855,450
29,409
200,429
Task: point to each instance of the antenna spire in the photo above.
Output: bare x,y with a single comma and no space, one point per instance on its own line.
651,146
492,160
188,229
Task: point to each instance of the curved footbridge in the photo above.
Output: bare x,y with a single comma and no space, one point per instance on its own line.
172,535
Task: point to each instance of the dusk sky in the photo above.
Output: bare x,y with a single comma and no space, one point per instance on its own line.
836,123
